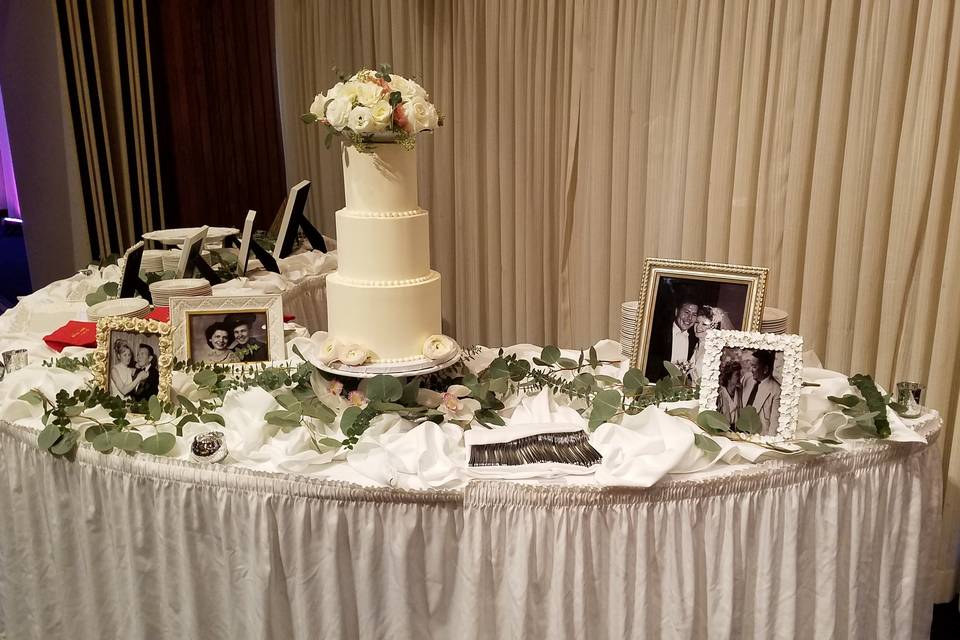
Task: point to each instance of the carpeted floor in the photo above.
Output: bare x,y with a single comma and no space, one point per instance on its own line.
14,272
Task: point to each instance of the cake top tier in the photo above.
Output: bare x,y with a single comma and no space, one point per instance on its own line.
382,178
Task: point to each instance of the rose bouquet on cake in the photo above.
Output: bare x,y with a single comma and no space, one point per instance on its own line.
375,106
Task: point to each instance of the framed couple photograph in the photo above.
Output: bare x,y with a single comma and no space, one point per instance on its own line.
760,370
233,330
681,301
134,358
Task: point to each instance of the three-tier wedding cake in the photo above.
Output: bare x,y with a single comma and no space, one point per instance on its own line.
383,296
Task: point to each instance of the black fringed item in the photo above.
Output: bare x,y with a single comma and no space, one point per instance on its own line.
565,448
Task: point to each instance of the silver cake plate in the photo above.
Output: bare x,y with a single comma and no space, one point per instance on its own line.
407,368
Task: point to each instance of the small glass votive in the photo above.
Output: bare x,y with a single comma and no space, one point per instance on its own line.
910,396
14,359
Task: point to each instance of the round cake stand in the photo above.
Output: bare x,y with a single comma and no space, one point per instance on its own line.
406,369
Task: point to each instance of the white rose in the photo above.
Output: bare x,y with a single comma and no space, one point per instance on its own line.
369,93
432,117
382,114
338,112
418,91
334,91
361,120
418,113
401,84
317,107
440,348
350,90
353,354
329,350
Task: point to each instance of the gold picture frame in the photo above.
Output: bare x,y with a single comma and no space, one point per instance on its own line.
698,274
156,333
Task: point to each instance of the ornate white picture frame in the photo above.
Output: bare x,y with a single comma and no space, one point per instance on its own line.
261,341
118,334
762,370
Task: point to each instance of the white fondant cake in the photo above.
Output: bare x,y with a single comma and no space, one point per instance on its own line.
383,297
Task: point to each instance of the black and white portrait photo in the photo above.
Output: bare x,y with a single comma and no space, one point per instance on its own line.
751,378
682,301
228,338
684,310
134,372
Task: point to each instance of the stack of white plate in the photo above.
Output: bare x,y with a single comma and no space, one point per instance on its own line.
163,290
629,311
774,320
152,261
130,307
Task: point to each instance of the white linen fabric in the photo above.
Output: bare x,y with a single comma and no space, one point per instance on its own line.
134,547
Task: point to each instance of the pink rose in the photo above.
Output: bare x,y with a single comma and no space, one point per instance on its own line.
400,118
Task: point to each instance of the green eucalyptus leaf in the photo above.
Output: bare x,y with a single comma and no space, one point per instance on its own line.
585,381
159,444
126,440
610,381
72,411
309,118
65,444
813,446
111,289
498,369
634,381
690,413
705,443
93,432
213,417
713,421
155,408
410,391
606,404
594,360
283,418
519,369
103,442
33,397
488,416
48,437
749,420
316,409
205,378
329,442
187,404
849,400
567,363
386,388
348,418
289,401
550,355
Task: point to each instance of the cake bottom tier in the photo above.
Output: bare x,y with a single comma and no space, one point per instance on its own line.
391,320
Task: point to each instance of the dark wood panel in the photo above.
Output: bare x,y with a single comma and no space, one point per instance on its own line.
217,108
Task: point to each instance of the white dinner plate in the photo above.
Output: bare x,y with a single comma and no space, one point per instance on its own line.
178,236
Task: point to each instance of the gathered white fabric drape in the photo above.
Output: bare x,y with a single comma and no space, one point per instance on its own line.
834,547
817,138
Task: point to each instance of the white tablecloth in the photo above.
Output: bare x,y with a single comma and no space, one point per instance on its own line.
138,547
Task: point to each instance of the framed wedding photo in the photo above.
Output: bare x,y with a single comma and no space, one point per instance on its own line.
681,301
234,330
134,358
760,370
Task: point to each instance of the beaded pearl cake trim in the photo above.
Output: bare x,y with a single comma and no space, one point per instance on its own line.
353,213
387,283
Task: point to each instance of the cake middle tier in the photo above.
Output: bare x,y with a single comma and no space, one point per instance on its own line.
391,321
377,247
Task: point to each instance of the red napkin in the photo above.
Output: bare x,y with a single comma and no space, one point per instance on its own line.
73,334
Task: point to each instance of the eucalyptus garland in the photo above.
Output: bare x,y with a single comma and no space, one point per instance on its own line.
601,398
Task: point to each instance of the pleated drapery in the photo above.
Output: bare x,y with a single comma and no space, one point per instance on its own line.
831,547
817,138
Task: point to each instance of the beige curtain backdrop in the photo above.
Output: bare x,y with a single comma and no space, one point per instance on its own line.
817,138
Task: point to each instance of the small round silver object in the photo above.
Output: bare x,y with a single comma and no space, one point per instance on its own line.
208,447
